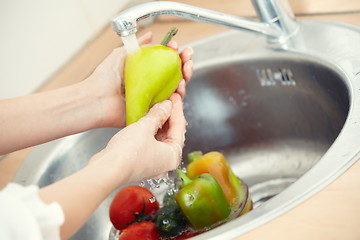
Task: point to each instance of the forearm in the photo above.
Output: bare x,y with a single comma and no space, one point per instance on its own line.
81,193
38,118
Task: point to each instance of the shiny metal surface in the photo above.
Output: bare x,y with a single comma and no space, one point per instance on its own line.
288,120
277,20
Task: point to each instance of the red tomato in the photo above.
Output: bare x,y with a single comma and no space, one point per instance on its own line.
140,230
131,203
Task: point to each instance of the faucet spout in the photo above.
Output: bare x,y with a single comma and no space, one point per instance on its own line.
125,23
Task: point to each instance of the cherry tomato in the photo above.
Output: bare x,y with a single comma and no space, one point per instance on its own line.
140,230
130,205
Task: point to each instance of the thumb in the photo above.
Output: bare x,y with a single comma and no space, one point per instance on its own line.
157,116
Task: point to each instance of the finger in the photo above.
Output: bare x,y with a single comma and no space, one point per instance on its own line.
173,45
118,51
145,39
187,70
186,54
172,146
115,57
156,117
181,90
177,122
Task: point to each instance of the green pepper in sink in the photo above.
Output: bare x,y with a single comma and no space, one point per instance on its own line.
202,201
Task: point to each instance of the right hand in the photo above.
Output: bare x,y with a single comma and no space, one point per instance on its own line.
147,149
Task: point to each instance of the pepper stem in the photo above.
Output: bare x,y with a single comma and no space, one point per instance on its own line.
185,179
168,36
194,155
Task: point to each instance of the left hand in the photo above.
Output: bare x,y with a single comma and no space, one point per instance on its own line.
108,84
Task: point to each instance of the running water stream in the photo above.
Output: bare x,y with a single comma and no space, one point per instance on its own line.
130,43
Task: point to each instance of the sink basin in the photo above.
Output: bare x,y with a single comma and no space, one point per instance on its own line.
273,117
287,119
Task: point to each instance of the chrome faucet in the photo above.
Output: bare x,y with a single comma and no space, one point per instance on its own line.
276,18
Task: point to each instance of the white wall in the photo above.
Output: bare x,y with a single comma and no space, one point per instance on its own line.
37,37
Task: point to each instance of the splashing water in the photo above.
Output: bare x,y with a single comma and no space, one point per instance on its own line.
156,183
142,184
152,199
130,43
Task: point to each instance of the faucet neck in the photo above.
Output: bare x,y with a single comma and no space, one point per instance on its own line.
278,15
277,19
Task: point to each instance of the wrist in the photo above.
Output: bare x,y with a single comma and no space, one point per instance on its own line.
78,109
109,103
108,170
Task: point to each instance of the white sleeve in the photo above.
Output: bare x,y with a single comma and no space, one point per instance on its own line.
23,215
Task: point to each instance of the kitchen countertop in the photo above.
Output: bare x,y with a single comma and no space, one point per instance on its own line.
333,213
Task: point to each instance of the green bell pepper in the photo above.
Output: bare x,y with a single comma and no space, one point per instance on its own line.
202,201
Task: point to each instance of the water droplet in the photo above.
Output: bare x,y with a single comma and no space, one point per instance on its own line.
168,181
170,192
165,221
152,199
151,183
190,197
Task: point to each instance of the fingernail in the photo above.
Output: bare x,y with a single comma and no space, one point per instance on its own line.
166,105
191,51
190,64
182,82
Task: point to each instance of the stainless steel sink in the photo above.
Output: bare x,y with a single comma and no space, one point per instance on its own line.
273,116
287,119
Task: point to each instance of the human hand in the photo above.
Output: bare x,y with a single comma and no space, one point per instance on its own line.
147,149
107,82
